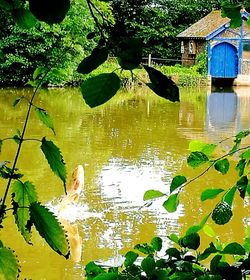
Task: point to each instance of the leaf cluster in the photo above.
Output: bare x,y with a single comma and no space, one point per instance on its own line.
181,261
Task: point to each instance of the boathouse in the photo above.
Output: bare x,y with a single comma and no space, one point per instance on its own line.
228,49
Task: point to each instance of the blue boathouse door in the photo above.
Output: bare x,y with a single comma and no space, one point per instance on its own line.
224,61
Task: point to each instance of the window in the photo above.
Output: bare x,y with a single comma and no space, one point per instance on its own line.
191,47
182,47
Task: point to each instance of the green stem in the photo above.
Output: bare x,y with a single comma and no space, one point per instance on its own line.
90,4
21,142
212,164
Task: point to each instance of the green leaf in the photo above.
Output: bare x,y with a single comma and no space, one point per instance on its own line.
93,269
130,258
242,134
238,138
247,190
23,195
54,158
199,146
242,185
198,227
196,159
207,252
174,253
49,228
196,145
234,249
9,268
99,89
162,85
246,244
177,182
193,229
49,11
148,265
156,243
45,118
222,166
171,203
208,231
215,263
173,237
90,63
210,193
240,167
246,154
1,144
222,213
130,55
191,241
24,18
39,71
248,231
204,220
229,196
144,248
208,149
152,194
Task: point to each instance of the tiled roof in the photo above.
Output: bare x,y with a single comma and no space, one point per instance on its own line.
205,26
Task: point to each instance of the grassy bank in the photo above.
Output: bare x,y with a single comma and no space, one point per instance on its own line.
182,76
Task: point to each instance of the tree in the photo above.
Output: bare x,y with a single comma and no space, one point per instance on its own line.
24,49
158,22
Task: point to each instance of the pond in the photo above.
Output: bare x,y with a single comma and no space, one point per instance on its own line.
135,142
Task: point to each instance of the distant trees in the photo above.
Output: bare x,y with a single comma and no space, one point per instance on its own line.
158,22
43,45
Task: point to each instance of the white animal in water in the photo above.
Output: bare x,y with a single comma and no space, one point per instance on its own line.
74,189
71,199
68,211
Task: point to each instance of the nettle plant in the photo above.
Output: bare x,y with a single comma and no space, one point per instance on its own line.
28,212
183,260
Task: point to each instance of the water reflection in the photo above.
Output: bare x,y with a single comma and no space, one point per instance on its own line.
227,110
135,142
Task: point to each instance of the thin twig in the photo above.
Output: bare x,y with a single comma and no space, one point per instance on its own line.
90,5
23,133
202,173
211,165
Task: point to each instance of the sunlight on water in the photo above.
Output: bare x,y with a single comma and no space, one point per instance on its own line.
135,142
127,182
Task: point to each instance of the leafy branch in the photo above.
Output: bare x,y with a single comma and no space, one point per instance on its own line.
20,144
27,210
212,164
201,154
99,27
